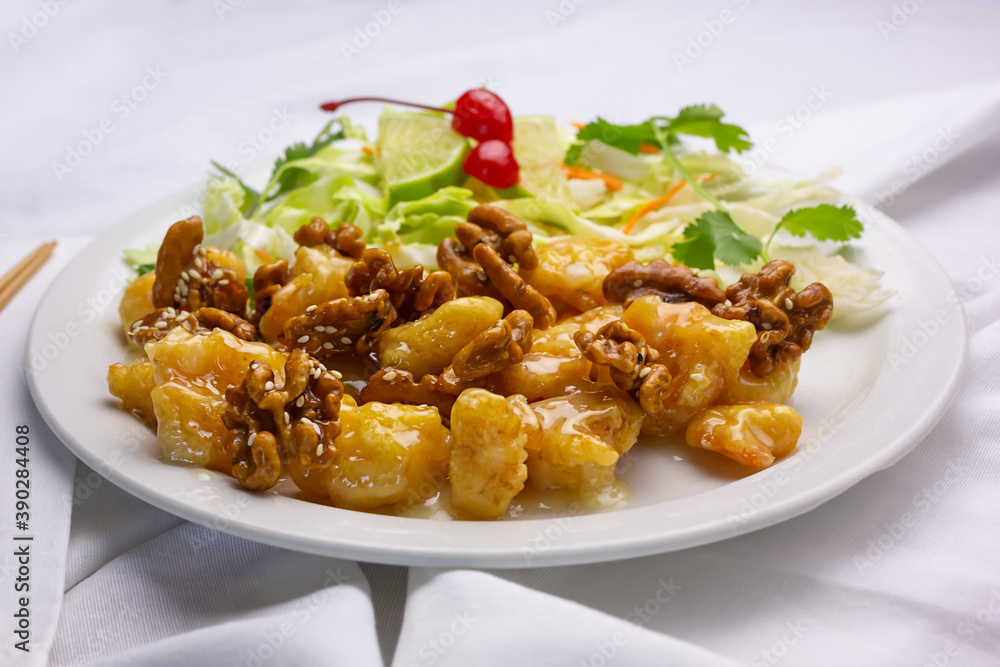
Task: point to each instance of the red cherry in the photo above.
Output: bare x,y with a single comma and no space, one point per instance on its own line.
482,115
493,163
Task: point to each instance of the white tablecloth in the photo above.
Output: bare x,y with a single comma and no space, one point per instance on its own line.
107,106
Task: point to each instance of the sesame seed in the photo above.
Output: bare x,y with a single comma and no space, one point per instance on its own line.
390,376
253,436
345,340
697,377
185,276
729,304
373,297
318,430
337,374
306,420
481,275
197,249
319,450
764,337
303,339
331,329
268,386
320,328
161,325
310,309
645,371
216,274
327,345
300,401
199,263
766,326
223,282
288,418
254,364
637,283
788,304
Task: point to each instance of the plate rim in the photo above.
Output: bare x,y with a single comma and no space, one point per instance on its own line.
780,509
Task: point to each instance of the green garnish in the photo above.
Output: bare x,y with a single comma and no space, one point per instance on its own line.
143,269
824,222
713,236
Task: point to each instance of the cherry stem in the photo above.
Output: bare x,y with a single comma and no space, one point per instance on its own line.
333,106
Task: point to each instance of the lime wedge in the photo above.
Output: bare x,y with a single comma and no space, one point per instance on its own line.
539,149
420,154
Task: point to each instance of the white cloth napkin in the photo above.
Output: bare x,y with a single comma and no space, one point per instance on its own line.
900,570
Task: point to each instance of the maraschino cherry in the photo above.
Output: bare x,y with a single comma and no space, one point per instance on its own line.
480,115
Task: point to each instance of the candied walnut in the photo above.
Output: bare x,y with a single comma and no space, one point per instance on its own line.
520,294
157,324
703,354
410,292
268,279
621,349
293,420
554,357
572,270
351,324
386,454
584,433
465,272
189,276
317,276
754,434
785,319
501,230
137,302
345,239
391,385
429,344
490,438
673,283
502,344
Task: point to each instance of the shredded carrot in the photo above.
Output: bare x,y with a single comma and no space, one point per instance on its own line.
650,206
264,257
577,124
610,182
648,148
367,151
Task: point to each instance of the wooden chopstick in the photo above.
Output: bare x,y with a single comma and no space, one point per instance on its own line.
18,277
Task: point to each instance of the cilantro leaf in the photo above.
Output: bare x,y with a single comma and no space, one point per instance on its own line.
714,235
294,177
143,269
626,137
251,199
702,120
824,222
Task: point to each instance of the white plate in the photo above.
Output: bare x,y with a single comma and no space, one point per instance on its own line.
867,396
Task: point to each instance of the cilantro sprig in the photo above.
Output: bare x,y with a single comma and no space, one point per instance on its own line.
714,236
285,178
